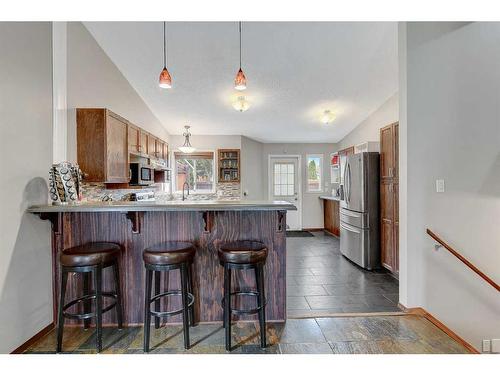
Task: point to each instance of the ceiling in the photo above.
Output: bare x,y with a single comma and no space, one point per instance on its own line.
294,70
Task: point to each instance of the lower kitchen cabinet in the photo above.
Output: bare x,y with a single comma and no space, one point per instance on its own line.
332,216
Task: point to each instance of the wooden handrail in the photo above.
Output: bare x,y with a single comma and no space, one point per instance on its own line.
463,260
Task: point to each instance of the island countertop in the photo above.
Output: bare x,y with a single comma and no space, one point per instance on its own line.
187,205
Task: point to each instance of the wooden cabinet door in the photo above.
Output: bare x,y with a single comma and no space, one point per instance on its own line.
117,168
386,151
387,225
396,151
133,139
151,145
143,142
396,226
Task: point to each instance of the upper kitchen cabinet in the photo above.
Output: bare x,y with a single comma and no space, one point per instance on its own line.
134,139
102,145
151,145
389,145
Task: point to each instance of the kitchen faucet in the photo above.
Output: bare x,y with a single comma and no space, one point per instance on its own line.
185,186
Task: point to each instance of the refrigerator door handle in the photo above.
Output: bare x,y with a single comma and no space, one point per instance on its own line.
350,228
349,179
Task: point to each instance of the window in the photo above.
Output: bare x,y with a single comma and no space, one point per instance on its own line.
284,179
314,173
197,169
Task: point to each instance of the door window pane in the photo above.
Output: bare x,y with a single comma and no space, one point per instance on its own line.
284,179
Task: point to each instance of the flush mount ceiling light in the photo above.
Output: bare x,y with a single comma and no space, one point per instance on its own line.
241,104
186,147
240,82
327,117
165,81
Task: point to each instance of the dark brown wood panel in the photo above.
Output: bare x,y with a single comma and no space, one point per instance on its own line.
91,150
386,151
133,139
78,228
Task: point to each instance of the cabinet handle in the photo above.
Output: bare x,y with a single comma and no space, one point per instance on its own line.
390,172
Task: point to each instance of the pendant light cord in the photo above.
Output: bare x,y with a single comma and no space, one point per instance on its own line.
164,44
240,43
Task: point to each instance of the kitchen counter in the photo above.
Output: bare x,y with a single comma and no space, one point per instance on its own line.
207,224
330,198
187,205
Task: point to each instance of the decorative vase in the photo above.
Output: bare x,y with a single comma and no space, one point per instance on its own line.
65,182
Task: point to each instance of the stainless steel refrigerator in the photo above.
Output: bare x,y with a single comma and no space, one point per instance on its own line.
359,210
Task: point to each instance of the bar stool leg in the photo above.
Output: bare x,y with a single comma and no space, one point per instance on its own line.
190,290
98,298
185,308
259,276
87,304
119,306
157,302
227,305
147,309
60,316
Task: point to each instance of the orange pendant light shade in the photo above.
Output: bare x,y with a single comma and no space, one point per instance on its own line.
240,82
165,81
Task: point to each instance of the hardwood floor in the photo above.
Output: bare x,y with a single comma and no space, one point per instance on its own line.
320,281
409,334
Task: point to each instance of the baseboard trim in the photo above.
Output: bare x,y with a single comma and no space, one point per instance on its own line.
22,348
431,318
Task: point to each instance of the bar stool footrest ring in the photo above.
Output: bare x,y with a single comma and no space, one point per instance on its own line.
161,314
88,315
245,311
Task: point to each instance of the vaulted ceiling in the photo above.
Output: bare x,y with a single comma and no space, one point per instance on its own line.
295,71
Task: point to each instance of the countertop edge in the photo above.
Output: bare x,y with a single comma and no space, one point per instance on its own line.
330,198
148,207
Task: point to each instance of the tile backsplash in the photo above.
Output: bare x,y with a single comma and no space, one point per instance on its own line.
93,192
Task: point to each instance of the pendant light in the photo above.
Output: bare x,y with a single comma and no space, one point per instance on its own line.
186,147
240,82
165,81
241,104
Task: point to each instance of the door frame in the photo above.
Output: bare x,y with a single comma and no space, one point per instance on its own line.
299,179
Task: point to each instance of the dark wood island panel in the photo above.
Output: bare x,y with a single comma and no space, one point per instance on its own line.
206,229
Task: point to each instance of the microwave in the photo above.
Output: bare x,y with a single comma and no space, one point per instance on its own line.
141,174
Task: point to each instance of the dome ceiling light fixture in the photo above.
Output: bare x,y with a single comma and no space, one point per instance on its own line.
327,117
165,81
240,82
186,147
241,104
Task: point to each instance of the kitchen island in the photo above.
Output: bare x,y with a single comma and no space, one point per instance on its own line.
207,224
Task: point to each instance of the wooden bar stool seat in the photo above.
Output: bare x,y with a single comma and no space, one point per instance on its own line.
168,256
89,259
244,255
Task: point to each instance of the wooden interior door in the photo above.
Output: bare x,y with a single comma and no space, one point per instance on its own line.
117,168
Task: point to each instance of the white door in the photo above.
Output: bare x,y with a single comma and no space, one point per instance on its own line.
284,185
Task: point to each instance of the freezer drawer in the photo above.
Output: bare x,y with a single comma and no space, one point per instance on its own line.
357,219
360,246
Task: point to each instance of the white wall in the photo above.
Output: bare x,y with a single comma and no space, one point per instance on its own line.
252,174
95,81
369,129
453,133
25,158
312,206
206,142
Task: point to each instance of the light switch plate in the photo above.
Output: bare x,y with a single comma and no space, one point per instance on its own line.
495,345
486,346
439,186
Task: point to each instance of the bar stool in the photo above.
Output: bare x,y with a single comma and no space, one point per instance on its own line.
168,256
89,259
244,255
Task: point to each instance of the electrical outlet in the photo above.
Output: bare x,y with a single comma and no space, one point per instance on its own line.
495,345
439,186
486,346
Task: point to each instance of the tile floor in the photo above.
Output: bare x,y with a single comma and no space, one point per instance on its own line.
344,335
322,281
